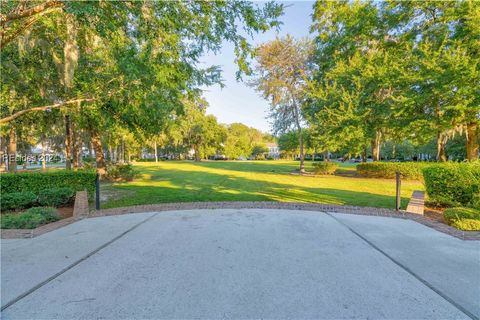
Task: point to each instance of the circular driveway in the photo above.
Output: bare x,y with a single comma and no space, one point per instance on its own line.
247,264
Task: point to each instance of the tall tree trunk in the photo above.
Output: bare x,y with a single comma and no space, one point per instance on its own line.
68,143
12,150
44,155
441,141
156,153
364,153
99,158
76,146
472,141
300,136
2,151
302,155
376,146
197,153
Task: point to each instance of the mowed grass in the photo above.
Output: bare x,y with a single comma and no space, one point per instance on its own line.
188,181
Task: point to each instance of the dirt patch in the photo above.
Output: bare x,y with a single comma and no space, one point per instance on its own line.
435,214
65,212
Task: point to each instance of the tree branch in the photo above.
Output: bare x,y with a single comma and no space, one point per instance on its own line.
31,11
43,108
10,37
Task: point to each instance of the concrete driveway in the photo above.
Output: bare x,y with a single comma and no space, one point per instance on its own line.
255,263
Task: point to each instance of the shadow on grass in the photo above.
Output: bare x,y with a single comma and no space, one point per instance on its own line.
185,186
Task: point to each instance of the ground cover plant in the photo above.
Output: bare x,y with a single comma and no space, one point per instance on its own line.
30,218
463,218
188,181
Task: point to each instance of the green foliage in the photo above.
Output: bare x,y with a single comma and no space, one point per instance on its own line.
55,197
241,140
121,172
453,184
324,167
386,70
29,219
17,200
259,151
463,218
38,181
408,170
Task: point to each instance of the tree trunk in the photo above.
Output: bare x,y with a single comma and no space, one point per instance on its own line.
99,158
197,153
44,162
12,150
156,153
76,146
472,141
2,151
376,146
110,152
441,141
68,144
302,156
364,154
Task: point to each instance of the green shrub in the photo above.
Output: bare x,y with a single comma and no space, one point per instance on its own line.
463,218
17,200
121,172
37,181
324,167
55,197
453,184
29,219
408,170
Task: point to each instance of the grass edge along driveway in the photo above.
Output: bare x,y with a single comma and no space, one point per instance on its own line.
188,181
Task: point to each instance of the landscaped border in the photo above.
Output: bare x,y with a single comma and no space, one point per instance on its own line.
367,211
80,211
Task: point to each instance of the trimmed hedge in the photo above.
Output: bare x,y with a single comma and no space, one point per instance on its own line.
324,167
408,170
463,218
55,197
453,184
17,200
38,181
29,219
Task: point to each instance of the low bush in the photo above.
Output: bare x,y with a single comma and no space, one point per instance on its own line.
121,172
37,181
17,200
408,170
463,218
29,219
324,167
453,184
55,197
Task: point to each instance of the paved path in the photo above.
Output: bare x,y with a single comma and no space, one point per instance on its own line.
241,264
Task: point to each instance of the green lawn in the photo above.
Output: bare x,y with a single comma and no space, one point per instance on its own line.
187,181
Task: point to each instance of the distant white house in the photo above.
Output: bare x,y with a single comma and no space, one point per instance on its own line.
273,150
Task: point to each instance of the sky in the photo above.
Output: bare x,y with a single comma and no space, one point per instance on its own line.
236,101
